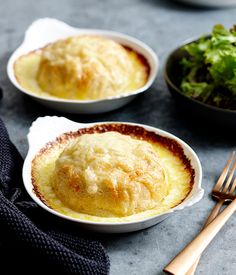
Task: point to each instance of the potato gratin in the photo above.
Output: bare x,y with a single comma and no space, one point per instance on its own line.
82,68
113,173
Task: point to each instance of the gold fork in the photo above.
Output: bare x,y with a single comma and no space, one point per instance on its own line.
218,186
186,261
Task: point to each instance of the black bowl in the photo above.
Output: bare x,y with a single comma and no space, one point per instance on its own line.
194,110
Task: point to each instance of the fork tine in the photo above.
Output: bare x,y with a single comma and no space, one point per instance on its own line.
233,186
224,173
230,177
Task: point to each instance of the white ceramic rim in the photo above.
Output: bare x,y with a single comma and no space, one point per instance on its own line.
129,41
193,197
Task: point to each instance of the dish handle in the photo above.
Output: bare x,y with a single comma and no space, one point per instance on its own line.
192,199
52,30
48,128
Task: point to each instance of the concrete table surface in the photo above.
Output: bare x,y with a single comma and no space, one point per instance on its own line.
162,25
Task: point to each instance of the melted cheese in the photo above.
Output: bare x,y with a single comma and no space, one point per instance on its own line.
82,67
109,174
178,178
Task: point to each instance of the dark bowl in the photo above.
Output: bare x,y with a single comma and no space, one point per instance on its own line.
194,110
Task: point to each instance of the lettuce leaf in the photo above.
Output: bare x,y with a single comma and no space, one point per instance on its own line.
210,69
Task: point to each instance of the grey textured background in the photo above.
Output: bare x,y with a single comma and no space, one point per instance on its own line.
162,25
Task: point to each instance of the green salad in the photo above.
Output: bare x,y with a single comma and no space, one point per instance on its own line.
209,70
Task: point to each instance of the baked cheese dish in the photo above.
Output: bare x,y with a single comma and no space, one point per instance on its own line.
82,67
112,172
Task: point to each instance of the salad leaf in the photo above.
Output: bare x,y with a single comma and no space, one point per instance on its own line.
201,90
210,69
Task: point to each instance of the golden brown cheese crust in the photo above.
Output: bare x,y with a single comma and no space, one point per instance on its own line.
109,174
134,131
82,67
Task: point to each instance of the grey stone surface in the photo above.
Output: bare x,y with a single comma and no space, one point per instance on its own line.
162,25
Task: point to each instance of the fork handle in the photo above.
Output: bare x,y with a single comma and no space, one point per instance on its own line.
215,211
185,259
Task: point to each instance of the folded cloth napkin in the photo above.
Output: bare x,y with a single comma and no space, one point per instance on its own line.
31,240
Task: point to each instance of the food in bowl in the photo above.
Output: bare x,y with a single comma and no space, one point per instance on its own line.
109,174
209,69
83,67
112,172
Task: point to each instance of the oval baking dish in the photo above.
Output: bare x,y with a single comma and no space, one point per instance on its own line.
48,30
45,132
